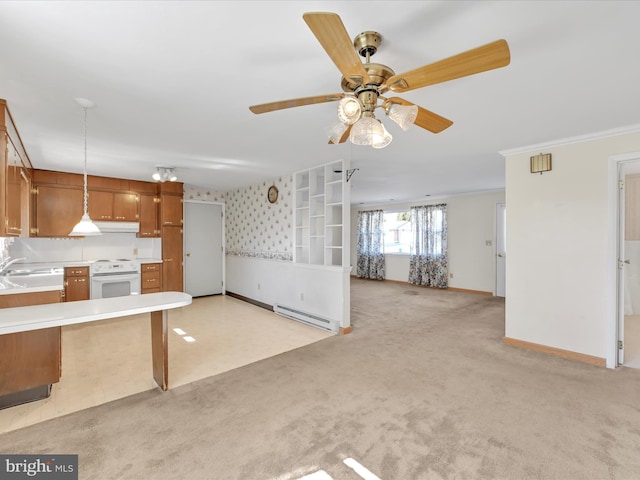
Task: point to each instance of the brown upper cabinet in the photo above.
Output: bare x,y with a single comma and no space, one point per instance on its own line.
113,206
15,178
171,209
149,225
57,209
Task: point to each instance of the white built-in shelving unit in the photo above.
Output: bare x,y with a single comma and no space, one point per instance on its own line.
321,210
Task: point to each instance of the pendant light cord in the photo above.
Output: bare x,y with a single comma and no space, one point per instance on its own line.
86,195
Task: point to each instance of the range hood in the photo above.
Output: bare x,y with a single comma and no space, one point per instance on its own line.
118,227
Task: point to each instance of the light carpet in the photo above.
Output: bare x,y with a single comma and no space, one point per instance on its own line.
423,388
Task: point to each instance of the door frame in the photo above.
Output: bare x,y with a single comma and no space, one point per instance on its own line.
500,206
615,275
223,240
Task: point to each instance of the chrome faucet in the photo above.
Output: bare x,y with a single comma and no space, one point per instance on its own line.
7,263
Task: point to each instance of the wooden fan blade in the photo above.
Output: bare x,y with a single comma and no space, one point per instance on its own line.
426,119
330,32
481,59
344,137
295,102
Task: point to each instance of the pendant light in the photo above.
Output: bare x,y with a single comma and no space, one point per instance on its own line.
85,227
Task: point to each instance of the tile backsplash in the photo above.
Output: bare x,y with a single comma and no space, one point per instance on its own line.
107,246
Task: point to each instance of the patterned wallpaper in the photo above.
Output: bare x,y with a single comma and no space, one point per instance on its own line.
257,228
200,194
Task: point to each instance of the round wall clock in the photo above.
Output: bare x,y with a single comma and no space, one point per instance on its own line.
272,194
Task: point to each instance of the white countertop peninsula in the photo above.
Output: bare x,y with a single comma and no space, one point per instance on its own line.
47,319
22,319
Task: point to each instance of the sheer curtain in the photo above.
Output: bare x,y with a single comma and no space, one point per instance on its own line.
428,262
370,254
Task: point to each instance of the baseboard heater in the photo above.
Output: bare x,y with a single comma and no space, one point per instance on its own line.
309,318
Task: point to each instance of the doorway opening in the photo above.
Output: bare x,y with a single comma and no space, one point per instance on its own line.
629,264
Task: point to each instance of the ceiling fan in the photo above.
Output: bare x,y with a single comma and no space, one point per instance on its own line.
365,83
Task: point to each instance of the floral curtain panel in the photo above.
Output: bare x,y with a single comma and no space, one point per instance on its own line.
428,262
370,244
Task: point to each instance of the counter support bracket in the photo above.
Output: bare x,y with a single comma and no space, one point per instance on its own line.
160,348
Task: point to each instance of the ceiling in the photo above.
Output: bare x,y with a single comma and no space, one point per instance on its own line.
172,83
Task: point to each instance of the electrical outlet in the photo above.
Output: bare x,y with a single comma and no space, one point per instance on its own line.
302,296
258,286
488,243
135,252
451,275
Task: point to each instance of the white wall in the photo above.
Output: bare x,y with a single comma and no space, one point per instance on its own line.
559,244
312,289
259,266
471,223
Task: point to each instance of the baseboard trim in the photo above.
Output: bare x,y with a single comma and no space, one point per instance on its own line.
558,352
345,330
257,303
451,289
465,290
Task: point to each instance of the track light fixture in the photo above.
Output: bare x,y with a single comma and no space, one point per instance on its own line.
164,174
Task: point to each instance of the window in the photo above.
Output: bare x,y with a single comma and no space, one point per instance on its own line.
397,232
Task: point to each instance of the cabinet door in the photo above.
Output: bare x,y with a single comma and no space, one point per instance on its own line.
100,205
171,209
148,216
125,207
172,251
13,216
30,359
76,284
76,288
58,209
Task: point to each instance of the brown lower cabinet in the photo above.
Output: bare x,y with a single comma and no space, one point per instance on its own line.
76,284
29,361
151,277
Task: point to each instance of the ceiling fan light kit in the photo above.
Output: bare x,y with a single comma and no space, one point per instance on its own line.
365,83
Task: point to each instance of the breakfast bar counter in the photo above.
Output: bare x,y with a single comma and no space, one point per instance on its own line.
50,317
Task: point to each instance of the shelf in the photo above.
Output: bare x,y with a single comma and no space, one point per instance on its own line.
319,215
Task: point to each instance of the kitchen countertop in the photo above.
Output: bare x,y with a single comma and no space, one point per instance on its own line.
35,317
12,284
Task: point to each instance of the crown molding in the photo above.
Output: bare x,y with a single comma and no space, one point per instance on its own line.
573,140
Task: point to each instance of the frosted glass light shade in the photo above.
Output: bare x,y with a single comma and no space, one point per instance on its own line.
335,131
365,130
381,141
349,110
85,228
403,115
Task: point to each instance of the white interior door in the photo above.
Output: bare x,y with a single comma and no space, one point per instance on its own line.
203,252
501,249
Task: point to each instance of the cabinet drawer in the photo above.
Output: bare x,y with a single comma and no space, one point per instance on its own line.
76,271
150,280
150,267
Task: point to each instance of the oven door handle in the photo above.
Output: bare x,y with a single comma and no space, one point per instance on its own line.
115,276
